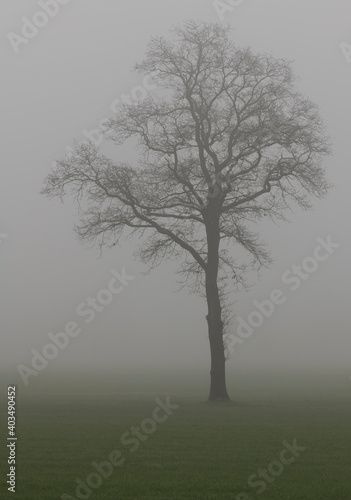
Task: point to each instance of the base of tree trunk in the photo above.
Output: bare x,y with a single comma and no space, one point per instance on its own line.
217,399
219,394
218,388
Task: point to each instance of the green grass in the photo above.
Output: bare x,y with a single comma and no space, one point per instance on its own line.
201,452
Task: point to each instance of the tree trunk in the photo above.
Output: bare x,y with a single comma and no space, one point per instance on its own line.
218,390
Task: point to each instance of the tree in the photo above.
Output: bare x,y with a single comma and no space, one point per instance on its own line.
226,140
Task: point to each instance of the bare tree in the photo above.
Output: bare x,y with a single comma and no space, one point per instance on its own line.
227,140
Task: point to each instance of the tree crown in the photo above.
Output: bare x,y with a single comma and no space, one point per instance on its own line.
226,140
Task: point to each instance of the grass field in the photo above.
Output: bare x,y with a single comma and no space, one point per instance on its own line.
200,451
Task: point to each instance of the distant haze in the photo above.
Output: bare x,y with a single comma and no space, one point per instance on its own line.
63,81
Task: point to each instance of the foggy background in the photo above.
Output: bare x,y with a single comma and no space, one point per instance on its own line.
63,81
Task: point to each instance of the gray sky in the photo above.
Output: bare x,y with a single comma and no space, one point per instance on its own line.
63,81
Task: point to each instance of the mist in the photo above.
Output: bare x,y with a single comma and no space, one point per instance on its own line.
63,82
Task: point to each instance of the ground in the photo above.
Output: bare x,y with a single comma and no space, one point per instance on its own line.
201,451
